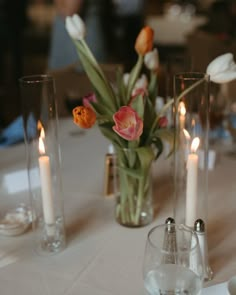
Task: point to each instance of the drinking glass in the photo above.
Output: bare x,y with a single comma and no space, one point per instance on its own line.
172,261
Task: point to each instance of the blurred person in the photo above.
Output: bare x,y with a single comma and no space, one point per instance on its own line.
96,15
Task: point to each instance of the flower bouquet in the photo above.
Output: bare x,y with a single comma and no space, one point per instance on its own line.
125,114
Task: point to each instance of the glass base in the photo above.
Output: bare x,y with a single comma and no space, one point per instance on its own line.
53,240
208,274
145,217
145,220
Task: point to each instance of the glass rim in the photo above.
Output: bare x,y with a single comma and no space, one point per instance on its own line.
179,226
191,75
37,78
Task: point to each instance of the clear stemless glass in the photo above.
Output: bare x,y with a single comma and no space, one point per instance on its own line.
172,261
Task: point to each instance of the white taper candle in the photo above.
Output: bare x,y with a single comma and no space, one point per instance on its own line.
192,185
46,185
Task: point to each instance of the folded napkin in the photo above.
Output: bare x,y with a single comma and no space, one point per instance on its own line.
14,133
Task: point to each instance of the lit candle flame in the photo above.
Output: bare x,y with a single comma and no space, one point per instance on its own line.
39,125
195,144
41,146
42,133
186,134
41,143
182,109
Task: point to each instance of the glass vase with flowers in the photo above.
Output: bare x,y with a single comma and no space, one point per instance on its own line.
125,114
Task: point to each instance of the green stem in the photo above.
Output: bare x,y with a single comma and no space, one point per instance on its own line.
139,200
152,88
134,76
130,198
122,210
96,75
123,197
168,104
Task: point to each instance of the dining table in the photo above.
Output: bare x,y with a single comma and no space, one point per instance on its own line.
102,257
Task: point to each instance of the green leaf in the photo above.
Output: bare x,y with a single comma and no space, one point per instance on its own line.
153,87
149,118
98,84
154,122
134,76
108,132
158,144
137,173
101,109
149,114
167,135
97,79
90,56
146,156
101,119
137,104
123,161
130,153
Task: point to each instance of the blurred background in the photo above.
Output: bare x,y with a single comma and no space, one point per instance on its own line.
188,35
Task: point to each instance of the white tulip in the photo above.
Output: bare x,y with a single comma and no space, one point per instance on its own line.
151,59
75,27
141,82
126,78
222,69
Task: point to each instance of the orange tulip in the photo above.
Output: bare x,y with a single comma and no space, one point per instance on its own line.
144,41
128,124
85,117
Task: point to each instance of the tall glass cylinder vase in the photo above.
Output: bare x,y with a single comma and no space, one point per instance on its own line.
191,91
43,161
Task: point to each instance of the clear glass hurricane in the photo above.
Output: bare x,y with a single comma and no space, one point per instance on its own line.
172,261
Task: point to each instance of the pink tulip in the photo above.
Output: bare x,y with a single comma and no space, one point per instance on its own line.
89,98
128,125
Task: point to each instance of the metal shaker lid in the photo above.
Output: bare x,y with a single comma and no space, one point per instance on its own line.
169,220
199,226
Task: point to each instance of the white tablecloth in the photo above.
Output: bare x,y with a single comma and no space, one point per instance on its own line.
101,257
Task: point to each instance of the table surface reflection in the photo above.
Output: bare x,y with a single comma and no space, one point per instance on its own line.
102,257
